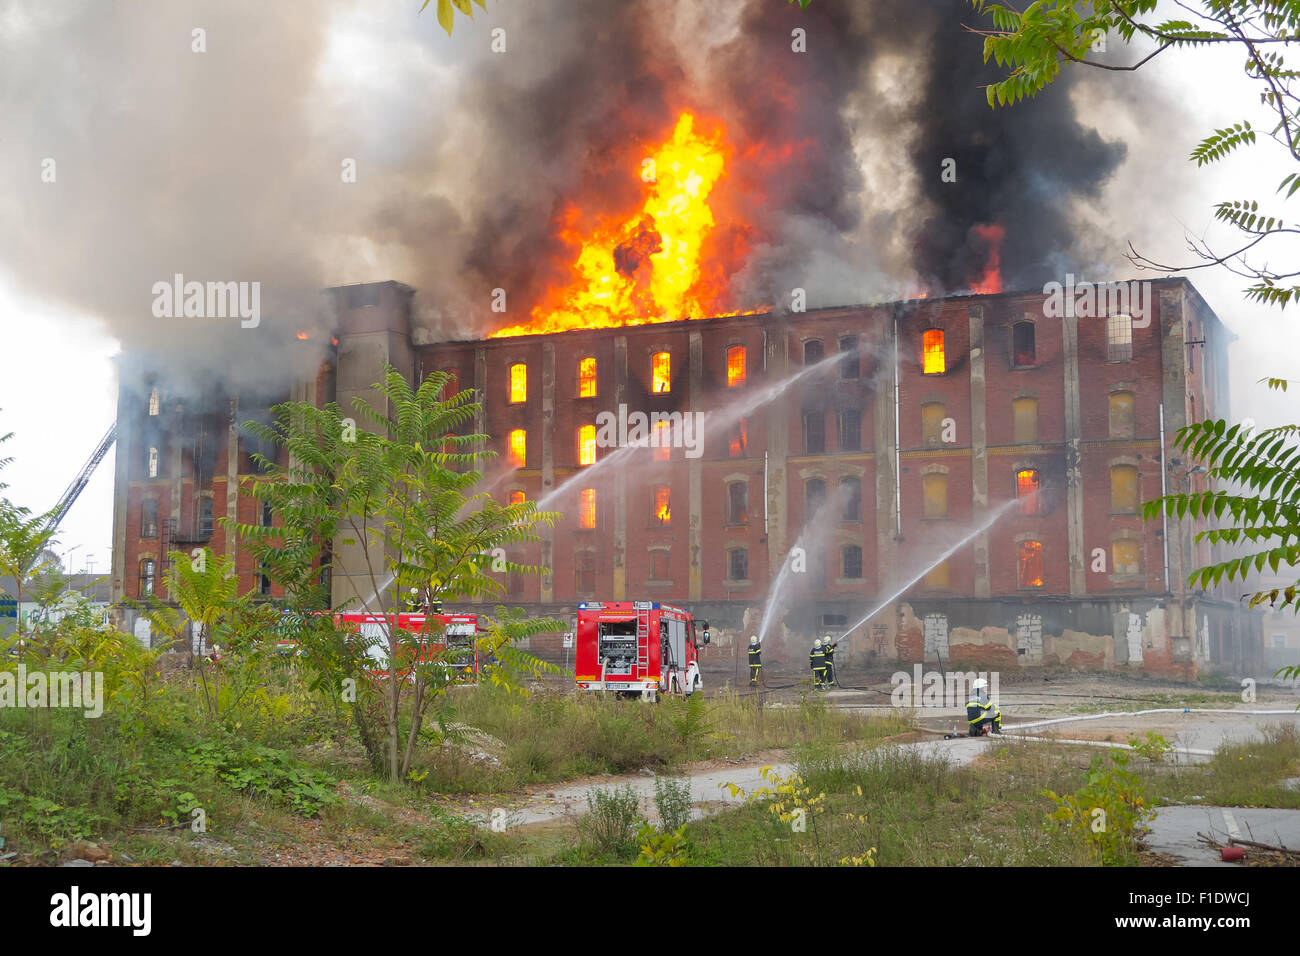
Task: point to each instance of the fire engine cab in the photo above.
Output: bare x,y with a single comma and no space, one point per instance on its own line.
640,648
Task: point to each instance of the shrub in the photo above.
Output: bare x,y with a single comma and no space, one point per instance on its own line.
673,801
611,822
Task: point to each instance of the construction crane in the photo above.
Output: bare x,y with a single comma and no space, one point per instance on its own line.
70,495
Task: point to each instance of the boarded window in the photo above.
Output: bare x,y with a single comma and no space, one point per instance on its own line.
1024,415
814,494
738,564
661,373
936,579
1119,338
934,489
814,433
149,519
932,355
851,559
587,508
517,448
584,572
737,502
851,491
1124,556
587,445
1123,420
587,378
932,416
518,382
813,352
1022,344
849,364
659,570
850,430
1030,564
1028,492
1123,489
517,497
738,440
662,504
735,366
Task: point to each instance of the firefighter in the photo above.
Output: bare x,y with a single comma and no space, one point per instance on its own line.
828,649
817,659
980,710
755,661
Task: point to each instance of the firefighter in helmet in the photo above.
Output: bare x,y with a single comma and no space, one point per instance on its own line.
755,661
817,660
828,650
981,711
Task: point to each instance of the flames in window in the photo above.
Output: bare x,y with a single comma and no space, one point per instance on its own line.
932,360
517,497
1031,564
519,383
518,448
1027,491
587,445
735,366
739,439
663,509
661,373
587,378
587,508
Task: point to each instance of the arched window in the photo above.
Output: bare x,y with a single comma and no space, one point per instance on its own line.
932,354
517,450
934,493
735,366
738,440
1024,416
587,508
205,516
851,560
584,572
663,438
814,432
1028,492
1030,564
1123,421
813,352
587,445
814,494
932,416
737,503
153,462
1123,489
149,518
154,402
849,364
661,373
587,377
851,490
850,430
1022,344
147,573
738,564
518,383
659,567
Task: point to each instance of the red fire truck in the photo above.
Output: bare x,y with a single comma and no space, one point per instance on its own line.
458,639
640,648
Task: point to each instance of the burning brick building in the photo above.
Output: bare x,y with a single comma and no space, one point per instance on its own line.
974,466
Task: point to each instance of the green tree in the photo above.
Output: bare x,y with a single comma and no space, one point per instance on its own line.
1262,511
392,510
23,537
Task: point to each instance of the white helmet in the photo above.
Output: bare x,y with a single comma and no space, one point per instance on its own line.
980,684
817,643
753,639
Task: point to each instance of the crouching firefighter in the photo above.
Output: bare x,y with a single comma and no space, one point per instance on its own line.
980,711
755,661
817,660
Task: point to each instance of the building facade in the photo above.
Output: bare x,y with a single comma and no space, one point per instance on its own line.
971,469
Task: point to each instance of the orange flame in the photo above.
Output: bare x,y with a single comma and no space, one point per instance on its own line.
647,266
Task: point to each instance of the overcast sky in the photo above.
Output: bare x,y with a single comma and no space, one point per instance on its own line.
57,379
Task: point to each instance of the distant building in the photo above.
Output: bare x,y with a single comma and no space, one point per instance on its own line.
1022,440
